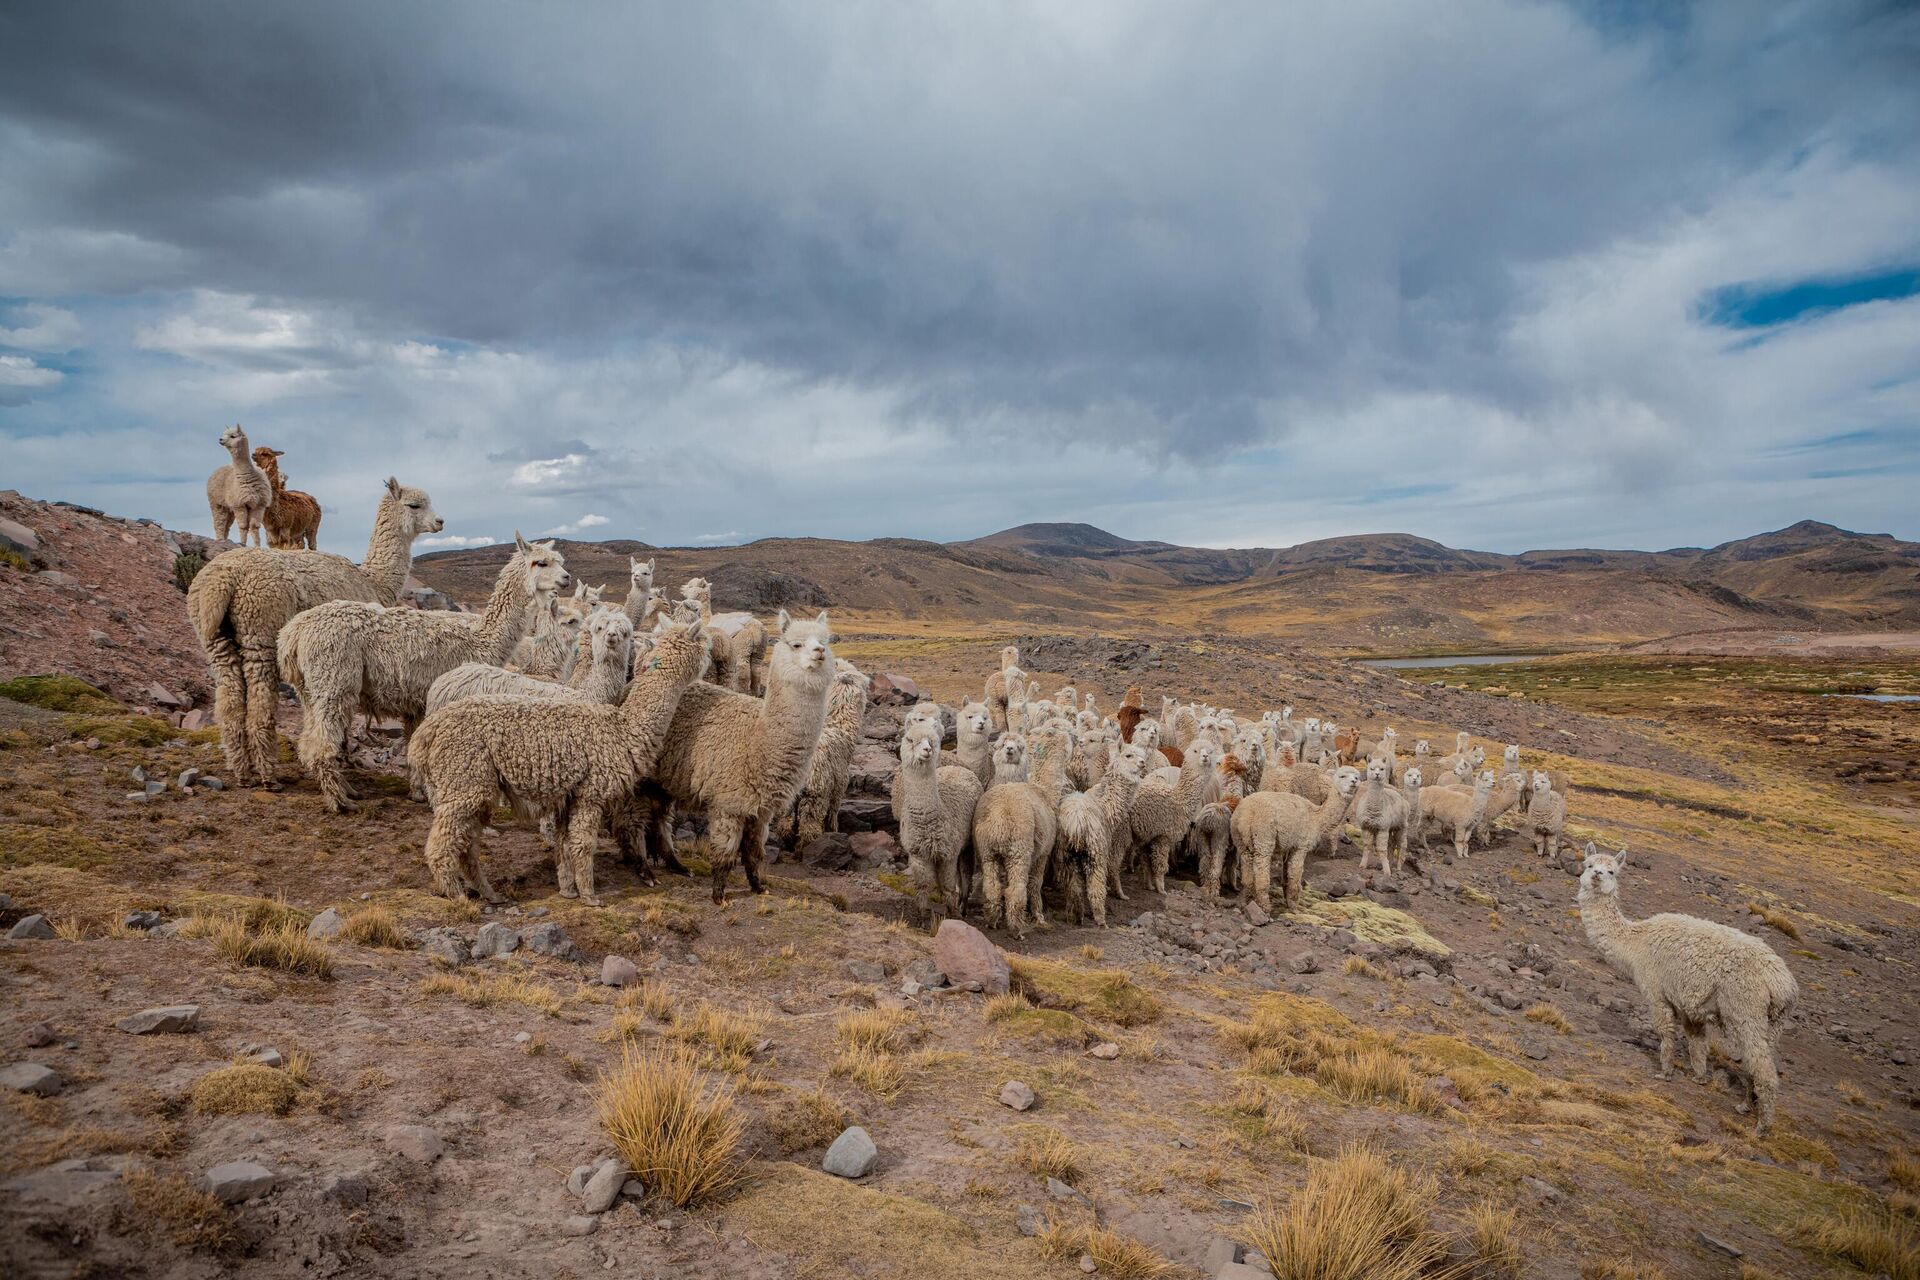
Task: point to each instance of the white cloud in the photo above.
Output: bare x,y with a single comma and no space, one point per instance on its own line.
549,473
581,525
40,327
715,539
457,540
22,380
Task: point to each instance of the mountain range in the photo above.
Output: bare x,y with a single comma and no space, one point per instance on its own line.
1367,593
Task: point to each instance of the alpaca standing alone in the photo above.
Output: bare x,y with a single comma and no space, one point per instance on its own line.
293,517
239,491
1694,973
240,600
347,657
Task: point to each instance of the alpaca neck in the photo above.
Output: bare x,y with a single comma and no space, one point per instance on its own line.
1006,771
243,457
1607,927
1192,789
505,622
920,788
1049,773
389,553
790,719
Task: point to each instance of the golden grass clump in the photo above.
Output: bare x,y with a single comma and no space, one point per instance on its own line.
500,989
1107,994
677,1131
1045,1152
1361,967
1113,1254
879,1073
1357,1218
879,1030
799,1120
649,998
1493,1234
1620,1269
1874,1239
168,1205
1002,1007
1904,1173
285,946
245,1088
374,927
1547,1015
731,1036
1776,919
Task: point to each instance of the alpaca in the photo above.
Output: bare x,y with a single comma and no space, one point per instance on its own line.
548,652
1009,760
1693,973
921,717
1507,792
1014,827
1382,815
1269,823
1087,825
1001,686
1166,805
1212,832
740,759
346,657
239,601
1546,814
817,808
639,592
1183,728
1091,754
239,491
572,759
1130,713
600,676
938,804
293,517
1451,813
973,750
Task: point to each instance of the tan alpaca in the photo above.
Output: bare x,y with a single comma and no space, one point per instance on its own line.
239,492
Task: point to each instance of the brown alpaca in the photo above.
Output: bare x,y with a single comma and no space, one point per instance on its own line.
1130,713
1346,745
293,518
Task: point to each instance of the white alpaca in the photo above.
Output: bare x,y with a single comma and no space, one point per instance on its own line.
600,674
1088,824
1268,824
974,749
1014,827
937,804
239,491
816,810
1546,815
1694,973
1382,815
347,656
1166,805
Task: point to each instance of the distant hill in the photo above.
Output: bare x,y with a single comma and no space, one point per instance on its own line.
1366,593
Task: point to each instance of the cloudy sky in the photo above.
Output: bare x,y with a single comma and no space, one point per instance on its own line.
1509,275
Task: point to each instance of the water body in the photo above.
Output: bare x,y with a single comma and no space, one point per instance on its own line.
1459,660
1877,697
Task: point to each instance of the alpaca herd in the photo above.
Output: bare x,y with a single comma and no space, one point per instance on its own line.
589,716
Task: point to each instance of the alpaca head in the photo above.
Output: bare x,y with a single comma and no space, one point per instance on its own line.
1346,781
1511,757
1132,761
685,611
545,568
587,594
683,648
610,635
1541,783
641,573
1422,748
1203,752
1011,749
845,672
234,441
1313,724
1147,734
975,720
1462,771
1286,715
923,713
1068,696
1485,780
698,590
1411,778
263,458
1009,657
411,509
919,747
1461,739
1600,873
1376,771
804,651
1478,755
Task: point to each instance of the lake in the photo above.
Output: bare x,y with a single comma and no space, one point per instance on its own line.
1461,660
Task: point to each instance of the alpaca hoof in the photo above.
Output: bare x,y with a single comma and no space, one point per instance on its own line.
671,863
1743,1107
568,891
719,897
593,902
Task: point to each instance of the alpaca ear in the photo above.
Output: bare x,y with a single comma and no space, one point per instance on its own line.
393,486
781,620
520,542
822,621
693,627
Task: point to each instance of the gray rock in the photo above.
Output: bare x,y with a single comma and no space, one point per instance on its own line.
1257,915
267,1057
416,1142
494,939
549,940
579,1224
212,784
326,925
1106,1051
238,1180
633,1189
1031,1222
144,921
445,945
852,1154
186,779
1220,1252
1720,1246
866,971
17,537
33,926
618,971
1087,1264
1017,1095
39,1035
1061,1191
31,1077
69,1183
1545,1191
156,787
966,956
1305,962
925,972
577,1180
349,1190
138,773
603,1188
164,1020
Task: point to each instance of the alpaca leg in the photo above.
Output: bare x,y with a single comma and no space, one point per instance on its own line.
1756,1049
660,839
230,709
1113,860
262,674
474,873
753,847
993,890
448,837
563,877
1162,855
723,846
222,523
1020,871
1036,890
1296,878
630,837
416,782
1099,868
583,837
1664,1024
953,896
1210,859
1697,1052
323,736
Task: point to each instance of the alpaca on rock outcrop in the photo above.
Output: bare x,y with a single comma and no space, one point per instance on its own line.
239,491
347,656
1014,827
572,759
1695,974
1166,804
240,600
816,810
1268,824
739,759
936,822
1089,822
293,517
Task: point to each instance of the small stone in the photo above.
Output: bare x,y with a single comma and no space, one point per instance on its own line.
156,787
577,1180
494,939
326,925
967,957
1221,1250
445,945
1545,1191
1087,1264
1538,1052
38,1035
187,778
1305,962
1720,1246
618,971
31,1077
349,1190
1235,1206
33,926
416,1142
925,972
537,911
164,1020
267,1057
633,1189
579,1224
852,1154
1257,915
212,784
1017,1095
866,971
1061,1191
138,773
523,1037
144,921
1106,1052
239,1180
1031,1222
549,940
603,1188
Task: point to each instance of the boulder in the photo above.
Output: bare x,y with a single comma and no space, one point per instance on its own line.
327,924
1106,1051
238,1180
169,1019
852,1154
874,846
33,926
161,696
618,971
1017,1095
967,956
17,538
416,1142
891,689
494,939
445,945
830,852
31,1077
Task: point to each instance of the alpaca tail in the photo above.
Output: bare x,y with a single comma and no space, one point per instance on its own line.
209,602
288,650
1081,824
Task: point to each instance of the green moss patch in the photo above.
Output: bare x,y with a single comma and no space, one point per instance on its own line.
58,693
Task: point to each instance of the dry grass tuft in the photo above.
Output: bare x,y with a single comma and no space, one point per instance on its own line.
1106,994
1113,1254
1548,1016
679,1134
1361,967
1904,1173
1001,1008
1873,1239
879,1073
244,1089
1357,1218
649,998
1776,919
1046,1153
879,1030
285,946
730,1036
798,1120
1620,1269
374,927
1376,1074
501,989
1493,1234
168,1205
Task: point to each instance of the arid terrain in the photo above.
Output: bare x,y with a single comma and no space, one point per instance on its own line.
428,1108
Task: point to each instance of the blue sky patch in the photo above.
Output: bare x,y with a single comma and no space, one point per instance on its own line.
1760,306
